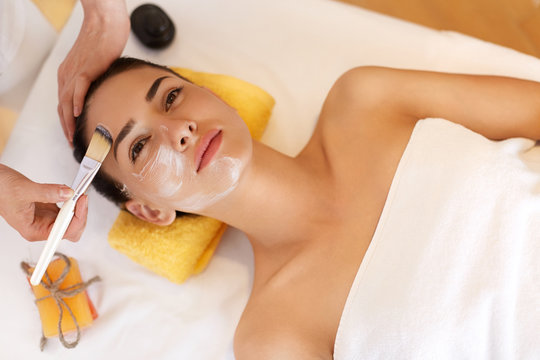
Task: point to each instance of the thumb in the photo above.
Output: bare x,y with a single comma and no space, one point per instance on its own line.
48,193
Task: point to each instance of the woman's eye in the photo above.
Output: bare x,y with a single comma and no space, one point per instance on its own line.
137,148
171,97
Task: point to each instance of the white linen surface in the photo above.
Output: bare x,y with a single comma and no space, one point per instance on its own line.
293,49
26,38
452,271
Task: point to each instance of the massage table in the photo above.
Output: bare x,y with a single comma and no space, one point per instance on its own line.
295,50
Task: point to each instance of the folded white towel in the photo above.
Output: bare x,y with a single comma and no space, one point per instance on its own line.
453,268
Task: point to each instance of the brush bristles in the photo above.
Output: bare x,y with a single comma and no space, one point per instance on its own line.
100,144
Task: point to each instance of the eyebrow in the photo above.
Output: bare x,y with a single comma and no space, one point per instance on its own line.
129,126
153,89
123,133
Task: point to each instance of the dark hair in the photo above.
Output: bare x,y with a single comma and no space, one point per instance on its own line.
103,182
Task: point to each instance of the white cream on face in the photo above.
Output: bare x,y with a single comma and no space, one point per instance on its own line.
220,178
167,176
165,171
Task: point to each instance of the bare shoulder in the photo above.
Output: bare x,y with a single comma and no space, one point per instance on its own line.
362,97
362,78
361,113
363,87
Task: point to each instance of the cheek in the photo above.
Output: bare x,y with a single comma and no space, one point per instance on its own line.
219,179
164,175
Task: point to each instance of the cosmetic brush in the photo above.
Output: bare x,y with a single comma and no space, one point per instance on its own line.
99,147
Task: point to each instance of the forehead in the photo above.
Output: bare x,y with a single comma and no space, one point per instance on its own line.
135,80
120,95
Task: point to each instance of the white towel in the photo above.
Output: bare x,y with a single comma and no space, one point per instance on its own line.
453,269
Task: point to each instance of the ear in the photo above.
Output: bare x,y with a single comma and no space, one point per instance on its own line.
149,214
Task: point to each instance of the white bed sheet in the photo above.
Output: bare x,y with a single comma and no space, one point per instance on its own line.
293,49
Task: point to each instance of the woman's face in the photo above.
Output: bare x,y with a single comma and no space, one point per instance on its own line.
175,144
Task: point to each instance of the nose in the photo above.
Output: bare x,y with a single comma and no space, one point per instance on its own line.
183,135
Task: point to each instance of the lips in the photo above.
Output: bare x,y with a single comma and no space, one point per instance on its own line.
207,148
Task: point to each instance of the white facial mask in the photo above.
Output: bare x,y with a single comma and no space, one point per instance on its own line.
167,172
220,178
166,161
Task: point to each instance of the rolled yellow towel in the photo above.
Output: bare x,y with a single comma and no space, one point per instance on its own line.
185,247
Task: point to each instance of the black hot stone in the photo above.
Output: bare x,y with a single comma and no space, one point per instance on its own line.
152,26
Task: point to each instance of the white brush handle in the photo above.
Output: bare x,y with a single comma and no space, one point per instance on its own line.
58,230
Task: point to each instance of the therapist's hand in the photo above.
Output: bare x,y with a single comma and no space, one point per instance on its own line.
101,40
30,207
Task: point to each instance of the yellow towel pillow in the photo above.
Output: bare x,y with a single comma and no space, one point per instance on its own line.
185,247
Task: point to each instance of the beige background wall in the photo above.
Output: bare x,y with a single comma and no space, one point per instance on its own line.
511,23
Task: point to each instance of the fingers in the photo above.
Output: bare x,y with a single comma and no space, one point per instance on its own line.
71,104
37,225
63,100
30,208
65,106
78,223
46,193
60,111
81,87
66,118
33,235
69,122
44,217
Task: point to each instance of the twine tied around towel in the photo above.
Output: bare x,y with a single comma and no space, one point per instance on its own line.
58,295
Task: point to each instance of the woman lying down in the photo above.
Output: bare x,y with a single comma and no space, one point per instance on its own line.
386,237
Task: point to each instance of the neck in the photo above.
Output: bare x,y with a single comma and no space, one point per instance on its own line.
276,200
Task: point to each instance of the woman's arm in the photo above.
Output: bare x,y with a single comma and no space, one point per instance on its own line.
494,106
